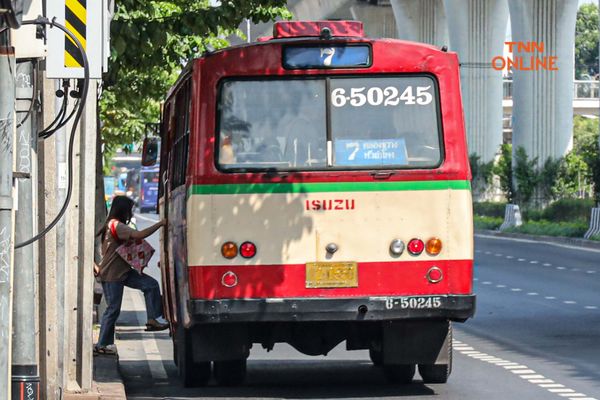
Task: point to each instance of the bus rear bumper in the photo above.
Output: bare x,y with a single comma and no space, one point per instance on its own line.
381,308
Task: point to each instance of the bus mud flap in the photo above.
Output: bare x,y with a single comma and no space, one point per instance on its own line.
220,342
416,342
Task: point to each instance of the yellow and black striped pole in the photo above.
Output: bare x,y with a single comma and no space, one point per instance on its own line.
76,22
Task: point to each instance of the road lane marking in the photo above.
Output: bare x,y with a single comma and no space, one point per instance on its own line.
547,264
510,257
569,302
532,294
521,259
550,298
591,307
523,371
153,357
500,286
516,290
533,262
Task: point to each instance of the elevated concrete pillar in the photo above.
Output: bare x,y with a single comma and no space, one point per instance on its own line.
421,21
477,31
543,100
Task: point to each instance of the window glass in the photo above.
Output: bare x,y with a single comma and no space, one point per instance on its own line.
375,122
276,124
384,121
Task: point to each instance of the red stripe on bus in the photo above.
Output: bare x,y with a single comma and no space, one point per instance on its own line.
374,279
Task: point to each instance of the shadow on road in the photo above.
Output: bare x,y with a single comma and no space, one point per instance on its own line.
281,379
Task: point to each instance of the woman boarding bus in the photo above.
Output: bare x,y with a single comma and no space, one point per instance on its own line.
316,187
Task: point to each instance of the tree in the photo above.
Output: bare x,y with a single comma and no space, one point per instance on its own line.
503,169
586,41
151,41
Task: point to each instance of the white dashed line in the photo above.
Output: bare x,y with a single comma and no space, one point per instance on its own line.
522,371
591,272
561,268
521,259
569,302
532,294
550,298
591,307
510,257
533,262
486,283
547,264
516,290
574,269
500,286
498,255
488,252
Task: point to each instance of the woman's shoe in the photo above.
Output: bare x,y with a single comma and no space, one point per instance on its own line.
110,350
158,324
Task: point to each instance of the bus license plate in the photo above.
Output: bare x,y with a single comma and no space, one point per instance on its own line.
331,274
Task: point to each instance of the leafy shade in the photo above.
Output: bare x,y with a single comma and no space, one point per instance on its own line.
586,41
151,41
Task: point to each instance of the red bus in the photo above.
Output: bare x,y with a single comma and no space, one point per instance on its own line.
317,190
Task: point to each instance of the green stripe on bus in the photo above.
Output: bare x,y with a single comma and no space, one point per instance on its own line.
322,187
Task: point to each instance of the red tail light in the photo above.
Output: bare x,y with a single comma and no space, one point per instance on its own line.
248,250
229,279
416,247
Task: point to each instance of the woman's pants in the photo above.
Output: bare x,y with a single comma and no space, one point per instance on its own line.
113,293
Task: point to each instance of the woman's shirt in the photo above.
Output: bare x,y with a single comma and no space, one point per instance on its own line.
113,267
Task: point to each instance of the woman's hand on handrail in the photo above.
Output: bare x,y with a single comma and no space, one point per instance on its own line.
144,233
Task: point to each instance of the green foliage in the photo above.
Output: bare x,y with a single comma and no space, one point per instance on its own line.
491,223
482,174
586,41
585,145
569,210
150,43
503,169
526,175
489,209
568,229
573,170
548,176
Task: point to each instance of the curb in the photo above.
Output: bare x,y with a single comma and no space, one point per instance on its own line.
590,244
107,382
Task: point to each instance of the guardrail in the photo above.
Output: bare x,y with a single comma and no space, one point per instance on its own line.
581,89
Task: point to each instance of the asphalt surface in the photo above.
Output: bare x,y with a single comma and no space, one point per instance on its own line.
535,336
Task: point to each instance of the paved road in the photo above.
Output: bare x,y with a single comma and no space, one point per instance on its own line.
535,336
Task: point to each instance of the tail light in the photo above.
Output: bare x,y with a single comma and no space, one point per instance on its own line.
229,279
433,246
248,250
416,247
229,250
435,275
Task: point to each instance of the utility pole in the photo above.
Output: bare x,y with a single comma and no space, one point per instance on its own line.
25,376
7,127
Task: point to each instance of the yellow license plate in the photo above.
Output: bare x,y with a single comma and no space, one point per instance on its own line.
331,274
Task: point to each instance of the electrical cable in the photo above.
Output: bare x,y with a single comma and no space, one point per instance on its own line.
47,134
50,129
86,76
32,101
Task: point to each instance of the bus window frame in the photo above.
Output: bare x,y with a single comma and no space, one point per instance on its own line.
325,67
327,78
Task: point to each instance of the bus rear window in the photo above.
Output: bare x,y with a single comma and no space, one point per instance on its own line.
384,122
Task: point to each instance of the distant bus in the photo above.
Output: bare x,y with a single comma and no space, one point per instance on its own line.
109,189
148,189
317,190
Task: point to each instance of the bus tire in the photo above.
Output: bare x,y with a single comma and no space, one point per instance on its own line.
192,374
438,373
376,357
399,373
230,372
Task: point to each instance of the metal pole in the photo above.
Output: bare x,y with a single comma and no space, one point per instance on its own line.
25,378
61,193
7,115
